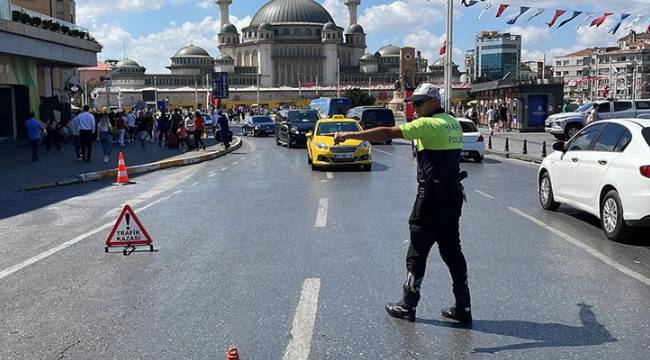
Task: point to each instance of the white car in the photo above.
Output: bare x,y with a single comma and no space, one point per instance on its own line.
603,170
473,141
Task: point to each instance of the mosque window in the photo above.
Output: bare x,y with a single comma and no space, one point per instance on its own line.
286,32
296,32
276,32
328,36
308,32
318,32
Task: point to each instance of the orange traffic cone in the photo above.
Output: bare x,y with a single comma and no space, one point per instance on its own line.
232,353
122,174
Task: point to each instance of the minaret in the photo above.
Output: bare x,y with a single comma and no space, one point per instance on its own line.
352,8
223,10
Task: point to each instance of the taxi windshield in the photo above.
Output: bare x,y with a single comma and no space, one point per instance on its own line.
333,127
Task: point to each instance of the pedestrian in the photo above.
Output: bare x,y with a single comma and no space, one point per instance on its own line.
163,128
53,130
86,122
176,121
105,136
133,129
199,126
121,124
34,130
224,129
183,144
491,122
593,116
503,117
437,209
76,139
142,125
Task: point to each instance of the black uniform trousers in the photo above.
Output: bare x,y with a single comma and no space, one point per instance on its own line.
435,219
86,144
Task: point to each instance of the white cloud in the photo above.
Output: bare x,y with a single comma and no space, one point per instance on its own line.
204,4
531,35
338,10
402,15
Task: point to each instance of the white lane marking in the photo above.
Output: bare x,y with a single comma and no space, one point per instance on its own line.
195,183
330,175
236,162
591,251
324,181
224,169
243,158
321,217
303,321
383,152
34,259
484,194
177,192
212,175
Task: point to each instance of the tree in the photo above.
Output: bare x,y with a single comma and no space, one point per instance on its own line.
359,97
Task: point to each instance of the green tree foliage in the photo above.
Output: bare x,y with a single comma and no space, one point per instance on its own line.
359,97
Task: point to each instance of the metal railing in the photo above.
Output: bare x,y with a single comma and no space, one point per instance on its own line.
44,17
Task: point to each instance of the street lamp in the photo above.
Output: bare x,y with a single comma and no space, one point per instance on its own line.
257,76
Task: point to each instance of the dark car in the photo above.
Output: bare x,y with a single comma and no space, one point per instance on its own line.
258,125
292,126
370,117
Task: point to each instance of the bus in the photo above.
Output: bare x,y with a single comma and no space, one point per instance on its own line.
328,107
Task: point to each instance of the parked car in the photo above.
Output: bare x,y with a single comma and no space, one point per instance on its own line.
258,125
564,125
603,170
473,141
292,126
322,152
370,117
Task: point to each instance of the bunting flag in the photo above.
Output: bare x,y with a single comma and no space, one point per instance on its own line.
469,3
601,19
487,6
587,20
615,28
575,15
538,13
443,48
522,10
557,15
636,20
502,8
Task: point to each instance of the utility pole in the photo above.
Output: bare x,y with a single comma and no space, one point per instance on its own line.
299,85
316,85
369,84
196,94
258,88
338,77
155,91
450,51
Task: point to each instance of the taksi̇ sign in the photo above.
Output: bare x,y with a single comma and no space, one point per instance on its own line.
220,85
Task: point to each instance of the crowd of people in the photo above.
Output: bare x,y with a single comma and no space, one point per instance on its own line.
182,129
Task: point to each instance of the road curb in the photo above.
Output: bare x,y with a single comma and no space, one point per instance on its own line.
139,169
520,157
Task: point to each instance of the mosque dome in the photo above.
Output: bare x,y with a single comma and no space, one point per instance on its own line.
292,11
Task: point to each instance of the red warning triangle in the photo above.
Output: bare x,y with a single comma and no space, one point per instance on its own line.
128,231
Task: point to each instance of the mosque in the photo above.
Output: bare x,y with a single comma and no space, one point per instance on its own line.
288,44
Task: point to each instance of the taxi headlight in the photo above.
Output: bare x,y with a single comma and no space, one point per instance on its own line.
257,127
364,145
321,146
295,130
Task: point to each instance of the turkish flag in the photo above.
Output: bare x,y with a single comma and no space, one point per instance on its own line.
601,19
443,48
557,15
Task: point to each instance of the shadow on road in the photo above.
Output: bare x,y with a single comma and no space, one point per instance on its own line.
542,335
639,237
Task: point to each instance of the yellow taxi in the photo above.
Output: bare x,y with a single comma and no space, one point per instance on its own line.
322,152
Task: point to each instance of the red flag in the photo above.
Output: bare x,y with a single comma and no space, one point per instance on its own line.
601,19
443,48
502,8
557,15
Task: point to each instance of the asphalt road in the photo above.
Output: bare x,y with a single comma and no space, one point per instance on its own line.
256,250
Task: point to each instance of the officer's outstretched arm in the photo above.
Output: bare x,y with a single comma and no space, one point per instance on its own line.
373,135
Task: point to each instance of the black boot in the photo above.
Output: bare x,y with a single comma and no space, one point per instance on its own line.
405,308
462,310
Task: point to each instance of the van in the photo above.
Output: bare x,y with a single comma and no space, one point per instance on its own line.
370,117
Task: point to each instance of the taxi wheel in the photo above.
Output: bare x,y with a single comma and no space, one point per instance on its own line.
314,167
243,132
309,161
366,167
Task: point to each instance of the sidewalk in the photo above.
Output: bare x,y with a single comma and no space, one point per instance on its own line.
534,143
19,172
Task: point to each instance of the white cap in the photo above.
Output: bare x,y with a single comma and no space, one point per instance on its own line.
425,91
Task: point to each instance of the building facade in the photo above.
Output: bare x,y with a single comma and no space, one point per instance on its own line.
39,55
496,56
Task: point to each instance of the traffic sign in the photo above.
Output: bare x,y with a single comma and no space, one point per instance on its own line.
220,85
128,231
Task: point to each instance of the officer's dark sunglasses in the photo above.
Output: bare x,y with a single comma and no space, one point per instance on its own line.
420,102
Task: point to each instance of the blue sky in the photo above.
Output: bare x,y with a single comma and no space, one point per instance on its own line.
152,30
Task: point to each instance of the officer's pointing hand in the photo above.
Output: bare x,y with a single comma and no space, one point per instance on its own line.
339,137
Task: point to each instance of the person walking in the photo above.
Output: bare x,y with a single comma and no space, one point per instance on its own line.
199,126
491,122
224,129
121,124
176,121
133,129
76,139
503,117
142,128
436,213
86,122
34,130
181,132
163,128
105,136
53,130
593,116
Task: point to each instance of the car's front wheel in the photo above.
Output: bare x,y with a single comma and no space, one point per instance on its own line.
478,159
309,160
611,217
571,130
546,198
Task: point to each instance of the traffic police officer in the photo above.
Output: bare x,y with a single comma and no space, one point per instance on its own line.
437,209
